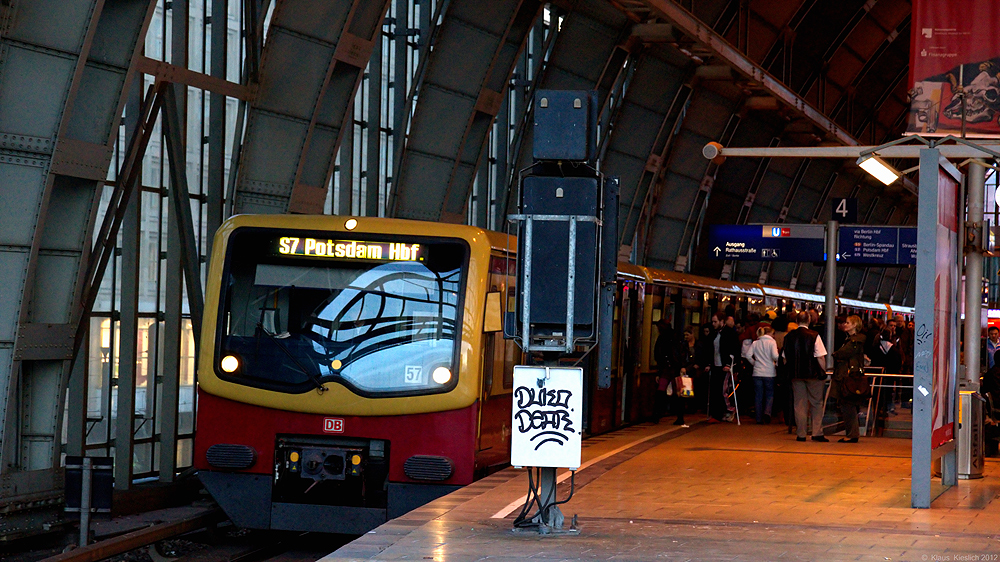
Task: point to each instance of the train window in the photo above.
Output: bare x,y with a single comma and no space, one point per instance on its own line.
506,354
379,326
491,320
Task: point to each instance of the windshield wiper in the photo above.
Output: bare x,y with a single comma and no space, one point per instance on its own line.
313,379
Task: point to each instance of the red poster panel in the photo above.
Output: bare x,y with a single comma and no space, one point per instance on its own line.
946,285
955,43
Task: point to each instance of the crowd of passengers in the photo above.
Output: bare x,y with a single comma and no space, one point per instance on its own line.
783,360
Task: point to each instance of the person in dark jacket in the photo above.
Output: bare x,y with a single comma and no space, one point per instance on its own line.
850,357
725,350
667,364
990,385
803,352
703,358
688,353
886,354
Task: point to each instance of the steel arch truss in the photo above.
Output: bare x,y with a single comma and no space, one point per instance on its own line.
589,53
64,71
313,61
467,71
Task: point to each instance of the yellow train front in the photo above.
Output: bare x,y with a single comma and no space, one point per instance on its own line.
345,376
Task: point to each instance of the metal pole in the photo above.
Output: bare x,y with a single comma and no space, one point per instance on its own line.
974,276
85,502
831,290
550,515
571,286
526,286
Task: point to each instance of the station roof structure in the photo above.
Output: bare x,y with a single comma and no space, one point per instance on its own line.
671,76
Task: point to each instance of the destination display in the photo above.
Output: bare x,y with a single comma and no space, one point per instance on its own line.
350,249
768,242
877,245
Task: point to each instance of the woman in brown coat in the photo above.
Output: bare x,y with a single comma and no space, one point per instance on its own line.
850,357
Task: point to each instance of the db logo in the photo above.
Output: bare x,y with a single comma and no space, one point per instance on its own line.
333,425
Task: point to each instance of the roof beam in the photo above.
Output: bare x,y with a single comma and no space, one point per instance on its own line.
959,151
686,22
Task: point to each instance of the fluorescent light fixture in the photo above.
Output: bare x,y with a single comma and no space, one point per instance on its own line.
878,168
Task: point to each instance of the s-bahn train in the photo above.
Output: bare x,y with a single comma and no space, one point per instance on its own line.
352,369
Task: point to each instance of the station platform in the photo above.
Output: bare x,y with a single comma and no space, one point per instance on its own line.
710,492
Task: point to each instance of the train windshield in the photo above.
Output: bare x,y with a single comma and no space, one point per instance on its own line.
381,317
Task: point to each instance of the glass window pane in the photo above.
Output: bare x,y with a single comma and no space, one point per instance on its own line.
185,405
144,375
99,381
185,453
142,459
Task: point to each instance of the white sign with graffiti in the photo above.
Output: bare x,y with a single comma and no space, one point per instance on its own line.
547,417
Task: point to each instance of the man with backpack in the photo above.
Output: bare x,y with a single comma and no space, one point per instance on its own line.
803,352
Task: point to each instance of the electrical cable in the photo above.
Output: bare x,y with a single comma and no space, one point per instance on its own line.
523,521
533,494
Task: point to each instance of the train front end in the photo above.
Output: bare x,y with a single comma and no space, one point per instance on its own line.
337,374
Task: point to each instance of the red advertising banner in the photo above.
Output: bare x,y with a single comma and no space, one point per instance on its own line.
946,327
954,48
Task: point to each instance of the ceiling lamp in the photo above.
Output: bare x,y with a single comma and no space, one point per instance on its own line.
878,168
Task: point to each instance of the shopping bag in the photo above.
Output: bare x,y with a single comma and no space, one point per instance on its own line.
685,386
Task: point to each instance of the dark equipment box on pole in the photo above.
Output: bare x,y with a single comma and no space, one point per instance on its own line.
543,195
565,122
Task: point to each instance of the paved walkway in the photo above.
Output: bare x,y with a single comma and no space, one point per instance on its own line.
712,492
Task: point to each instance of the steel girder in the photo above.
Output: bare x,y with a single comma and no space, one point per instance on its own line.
653,107
458,97
312,64
64,71
690,186
690,25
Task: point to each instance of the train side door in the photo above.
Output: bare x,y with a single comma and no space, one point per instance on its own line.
604,401
626,354
499,358
631,361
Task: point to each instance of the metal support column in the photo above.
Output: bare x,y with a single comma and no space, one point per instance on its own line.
969,406
923,361
831,290
175,119
976,180
481,187
373,121
550,516
125,426
400,78
217,126
346,190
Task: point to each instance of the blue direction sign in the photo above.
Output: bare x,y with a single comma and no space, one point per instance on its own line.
908,245
768,242
877,245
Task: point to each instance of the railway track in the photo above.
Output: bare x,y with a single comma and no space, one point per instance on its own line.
267,547
206,537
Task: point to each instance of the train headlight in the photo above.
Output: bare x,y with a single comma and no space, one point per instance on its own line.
351,224
441,375
230,364
336,364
